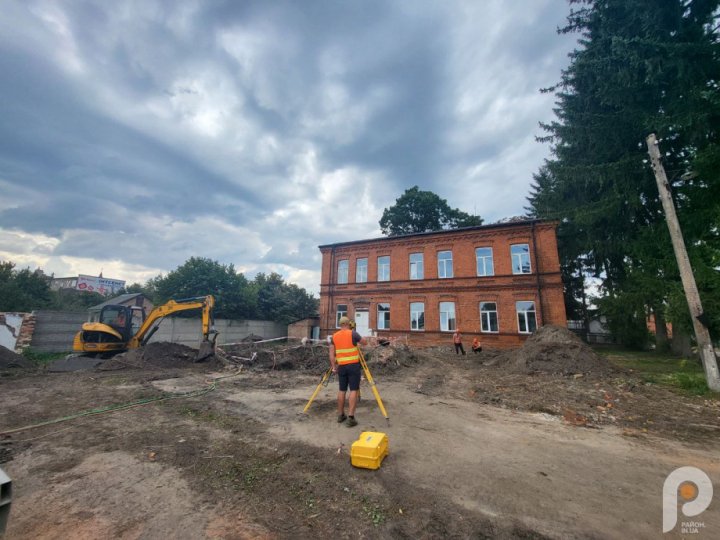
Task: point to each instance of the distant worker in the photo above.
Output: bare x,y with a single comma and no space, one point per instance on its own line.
476,347
457,340
345,361
120,320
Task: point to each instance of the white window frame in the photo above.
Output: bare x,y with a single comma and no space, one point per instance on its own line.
518,258
481,262
361,270
342,271
340,313
523,317
418,266
486,319
383,323
383,268
417,316
448,322
443,265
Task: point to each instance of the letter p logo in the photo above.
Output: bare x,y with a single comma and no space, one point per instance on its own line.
695,490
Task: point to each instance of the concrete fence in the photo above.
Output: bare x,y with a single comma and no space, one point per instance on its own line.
189,332
53,331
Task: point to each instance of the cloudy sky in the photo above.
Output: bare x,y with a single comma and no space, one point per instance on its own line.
136,134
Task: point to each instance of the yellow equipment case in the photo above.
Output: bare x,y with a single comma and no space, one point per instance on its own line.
369,450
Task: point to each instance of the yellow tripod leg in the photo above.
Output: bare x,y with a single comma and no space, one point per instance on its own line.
323,381
368,376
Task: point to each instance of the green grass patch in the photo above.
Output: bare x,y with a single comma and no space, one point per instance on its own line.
41,358
682,374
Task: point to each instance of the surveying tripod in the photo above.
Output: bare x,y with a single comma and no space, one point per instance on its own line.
326,378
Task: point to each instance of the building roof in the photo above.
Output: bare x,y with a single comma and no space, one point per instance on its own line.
504,225
117,300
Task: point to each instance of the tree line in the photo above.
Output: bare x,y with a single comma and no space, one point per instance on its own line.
266,296
641,67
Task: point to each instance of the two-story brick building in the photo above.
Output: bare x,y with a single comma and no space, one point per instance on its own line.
498,281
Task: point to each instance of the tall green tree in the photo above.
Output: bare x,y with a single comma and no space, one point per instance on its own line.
23,290
280,301
417,211
641,67
265,297
198,276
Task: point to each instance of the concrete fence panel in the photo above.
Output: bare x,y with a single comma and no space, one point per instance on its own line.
54,330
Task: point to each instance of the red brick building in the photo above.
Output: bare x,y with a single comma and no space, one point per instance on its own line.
498,282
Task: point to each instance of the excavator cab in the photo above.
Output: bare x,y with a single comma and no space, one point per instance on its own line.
124,319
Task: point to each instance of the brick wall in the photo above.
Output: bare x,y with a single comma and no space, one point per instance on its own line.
466,290
302,329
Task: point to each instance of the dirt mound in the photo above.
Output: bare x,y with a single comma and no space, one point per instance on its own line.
554,349
9,359
160,354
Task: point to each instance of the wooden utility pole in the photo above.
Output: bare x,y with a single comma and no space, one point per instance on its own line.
702,335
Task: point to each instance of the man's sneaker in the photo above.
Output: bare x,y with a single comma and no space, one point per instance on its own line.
341,418
351,422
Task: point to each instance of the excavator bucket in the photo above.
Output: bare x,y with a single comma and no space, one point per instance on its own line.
206,350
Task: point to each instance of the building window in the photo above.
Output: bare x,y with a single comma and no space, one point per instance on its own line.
361,271
417,316
340,312
416,266
527,323
342,274
383,316
520,258
384,268
447,316
445,267
484,258
488,317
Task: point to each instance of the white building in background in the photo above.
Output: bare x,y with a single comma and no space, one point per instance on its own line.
82,282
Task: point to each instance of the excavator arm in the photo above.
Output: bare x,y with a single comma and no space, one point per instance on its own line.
151,323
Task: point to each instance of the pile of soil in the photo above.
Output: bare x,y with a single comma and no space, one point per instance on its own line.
159,354
10,359
554,349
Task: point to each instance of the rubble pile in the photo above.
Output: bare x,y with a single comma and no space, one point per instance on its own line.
277,355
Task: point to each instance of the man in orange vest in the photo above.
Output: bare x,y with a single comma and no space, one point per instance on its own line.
345,361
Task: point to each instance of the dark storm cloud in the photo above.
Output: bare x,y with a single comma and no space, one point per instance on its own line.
52,142
239,130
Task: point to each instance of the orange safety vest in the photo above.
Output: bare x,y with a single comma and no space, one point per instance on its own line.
345,351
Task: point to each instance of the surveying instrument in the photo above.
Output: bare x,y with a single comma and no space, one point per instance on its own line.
326,379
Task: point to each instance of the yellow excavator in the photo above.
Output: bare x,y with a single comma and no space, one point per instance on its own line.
126,327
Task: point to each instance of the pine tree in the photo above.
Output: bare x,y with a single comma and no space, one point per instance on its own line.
641,67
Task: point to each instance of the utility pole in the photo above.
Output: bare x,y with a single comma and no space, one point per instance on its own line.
702,335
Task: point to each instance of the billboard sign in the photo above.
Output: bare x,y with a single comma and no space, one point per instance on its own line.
99,284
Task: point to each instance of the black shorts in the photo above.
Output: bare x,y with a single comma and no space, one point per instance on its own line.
349,374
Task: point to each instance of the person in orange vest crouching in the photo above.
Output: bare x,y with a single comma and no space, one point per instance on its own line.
345,361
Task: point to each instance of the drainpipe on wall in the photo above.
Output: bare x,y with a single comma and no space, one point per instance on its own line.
537,275
330,287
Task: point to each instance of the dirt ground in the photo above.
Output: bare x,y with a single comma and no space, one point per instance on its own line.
477,450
